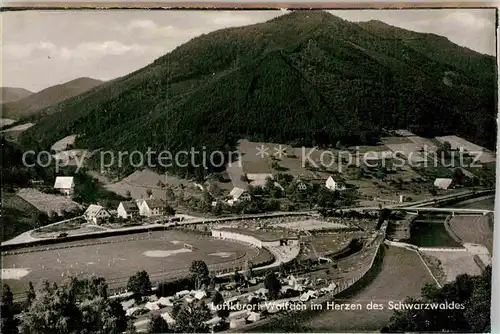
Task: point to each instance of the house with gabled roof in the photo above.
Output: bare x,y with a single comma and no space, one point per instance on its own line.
334,185
151,207
443,183
65,185
127,210
96,214
237,195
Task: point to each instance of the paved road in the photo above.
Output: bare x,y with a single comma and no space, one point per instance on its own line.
26,237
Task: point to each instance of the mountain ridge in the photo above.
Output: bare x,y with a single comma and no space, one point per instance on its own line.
46,97
11,94
331,80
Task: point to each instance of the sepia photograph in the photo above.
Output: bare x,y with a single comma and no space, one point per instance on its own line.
253,170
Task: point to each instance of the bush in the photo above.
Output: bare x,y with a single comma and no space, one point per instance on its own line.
169,288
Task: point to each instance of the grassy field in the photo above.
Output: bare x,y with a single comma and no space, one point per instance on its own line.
451,264
18,216
473,229
402,275
161,254
48,203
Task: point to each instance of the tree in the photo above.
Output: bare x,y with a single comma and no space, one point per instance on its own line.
169,193
157,324
149,192
52,311
128,195
130,327
218,300
273,285
381,173
139,284
169,211
199,273
175,310
458,176
8,322
191,318
472,294
288,322
236,277
76,306
30,293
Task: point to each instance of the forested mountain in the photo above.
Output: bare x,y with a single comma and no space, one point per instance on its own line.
9,94
32,103
304,78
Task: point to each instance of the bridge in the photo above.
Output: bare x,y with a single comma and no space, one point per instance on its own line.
453,211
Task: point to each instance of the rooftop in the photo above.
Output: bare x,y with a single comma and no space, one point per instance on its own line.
64,182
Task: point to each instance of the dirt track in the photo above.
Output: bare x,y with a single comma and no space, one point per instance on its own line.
118,259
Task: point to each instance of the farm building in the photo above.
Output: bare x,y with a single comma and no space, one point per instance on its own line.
441,183
95,214
65,184
334,185
404,133
151,207
237,195
127,210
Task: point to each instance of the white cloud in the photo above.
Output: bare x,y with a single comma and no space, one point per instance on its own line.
81,51
141,24
469,20
229,19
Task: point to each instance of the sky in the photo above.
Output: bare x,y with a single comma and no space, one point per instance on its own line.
43,48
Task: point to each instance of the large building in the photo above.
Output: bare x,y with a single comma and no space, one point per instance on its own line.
151,207
96,214
127,210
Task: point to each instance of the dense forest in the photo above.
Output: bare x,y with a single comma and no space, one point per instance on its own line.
305,78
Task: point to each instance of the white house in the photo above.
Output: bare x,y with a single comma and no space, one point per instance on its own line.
96,214
65,184
442,183
237,195
334,185
151,207
127,210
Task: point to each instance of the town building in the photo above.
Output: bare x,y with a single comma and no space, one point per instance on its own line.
238,195
65,185
151,207
334,185
127,210
96,214
443,183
